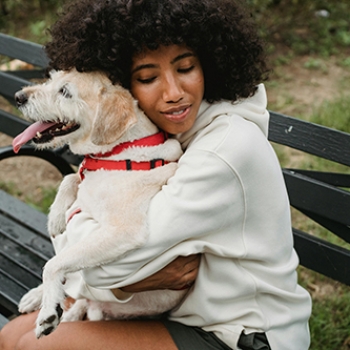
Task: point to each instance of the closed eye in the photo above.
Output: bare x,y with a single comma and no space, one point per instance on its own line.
146,81
185,70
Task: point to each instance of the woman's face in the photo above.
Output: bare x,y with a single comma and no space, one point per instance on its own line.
169,86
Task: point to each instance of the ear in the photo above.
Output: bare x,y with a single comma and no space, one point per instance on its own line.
114,116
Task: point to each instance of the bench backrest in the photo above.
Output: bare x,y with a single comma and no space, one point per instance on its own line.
318,195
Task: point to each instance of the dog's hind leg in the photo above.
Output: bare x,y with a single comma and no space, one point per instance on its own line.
31,301
76,312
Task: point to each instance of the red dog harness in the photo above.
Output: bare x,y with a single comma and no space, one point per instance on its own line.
90,163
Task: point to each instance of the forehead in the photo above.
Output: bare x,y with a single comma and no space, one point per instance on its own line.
161,54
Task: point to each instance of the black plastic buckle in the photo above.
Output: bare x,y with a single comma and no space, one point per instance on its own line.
128,164
155,163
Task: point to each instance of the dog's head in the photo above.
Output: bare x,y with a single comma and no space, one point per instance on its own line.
80,109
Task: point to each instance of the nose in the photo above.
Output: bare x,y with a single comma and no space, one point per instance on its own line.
21,98
172,89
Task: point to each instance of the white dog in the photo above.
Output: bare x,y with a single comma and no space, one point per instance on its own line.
101,121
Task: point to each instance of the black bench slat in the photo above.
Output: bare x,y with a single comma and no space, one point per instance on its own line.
335,179
10,294
323,257
24,248
23,213
10,84
17,271
29,74
12,125
26,279
3,321
342,231
23,50
317,197
315,139
20,239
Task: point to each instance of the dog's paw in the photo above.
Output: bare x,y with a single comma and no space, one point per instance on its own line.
31,301
48,320
66,196
95,311
56,224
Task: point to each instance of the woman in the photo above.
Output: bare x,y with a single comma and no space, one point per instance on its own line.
195,67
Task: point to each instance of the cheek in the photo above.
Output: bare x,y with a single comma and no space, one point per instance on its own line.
144,98
196,86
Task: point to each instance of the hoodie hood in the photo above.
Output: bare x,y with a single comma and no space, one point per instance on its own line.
252,109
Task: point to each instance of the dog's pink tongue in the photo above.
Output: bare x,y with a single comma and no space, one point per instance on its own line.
28,134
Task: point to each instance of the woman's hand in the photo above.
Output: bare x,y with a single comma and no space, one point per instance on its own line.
179,274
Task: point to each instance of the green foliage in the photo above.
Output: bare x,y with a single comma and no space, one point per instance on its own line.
304,26
28,19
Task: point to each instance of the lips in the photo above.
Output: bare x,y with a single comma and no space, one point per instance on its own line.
177,114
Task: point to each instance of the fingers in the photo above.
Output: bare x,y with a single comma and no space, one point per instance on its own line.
185,264
191,268
179,274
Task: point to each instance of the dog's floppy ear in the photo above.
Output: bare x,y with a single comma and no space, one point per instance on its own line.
115,115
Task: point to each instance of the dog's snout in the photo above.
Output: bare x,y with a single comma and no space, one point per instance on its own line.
21,98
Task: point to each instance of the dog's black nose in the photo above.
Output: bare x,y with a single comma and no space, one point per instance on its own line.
21,98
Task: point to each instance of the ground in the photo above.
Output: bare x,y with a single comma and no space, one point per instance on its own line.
295,88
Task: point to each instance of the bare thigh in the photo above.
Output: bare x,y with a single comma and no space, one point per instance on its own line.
87,335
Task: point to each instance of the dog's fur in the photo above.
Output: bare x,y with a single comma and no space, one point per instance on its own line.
116,200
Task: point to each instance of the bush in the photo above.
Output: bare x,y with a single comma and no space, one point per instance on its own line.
304,26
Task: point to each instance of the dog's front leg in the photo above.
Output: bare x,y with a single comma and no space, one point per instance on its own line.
52,300
66,196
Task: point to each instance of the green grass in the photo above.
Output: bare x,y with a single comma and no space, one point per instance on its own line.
330,319
44,200
335,114
41,200
330,322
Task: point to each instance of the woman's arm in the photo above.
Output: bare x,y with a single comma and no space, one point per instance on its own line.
179,274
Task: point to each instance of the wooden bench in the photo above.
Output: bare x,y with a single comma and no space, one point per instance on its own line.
24,243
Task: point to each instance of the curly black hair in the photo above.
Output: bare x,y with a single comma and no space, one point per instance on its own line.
105,34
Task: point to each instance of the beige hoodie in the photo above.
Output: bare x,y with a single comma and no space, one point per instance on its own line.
227,200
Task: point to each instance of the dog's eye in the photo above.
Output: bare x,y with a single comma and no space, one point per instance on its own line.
65,92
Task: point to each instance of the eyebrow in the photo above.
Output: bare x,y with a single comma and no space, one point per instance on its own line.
151,65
